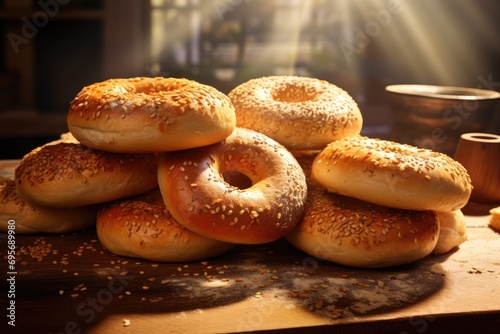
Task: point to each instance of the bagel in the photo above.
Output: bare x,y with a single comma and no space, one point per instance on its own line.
452,231
355,233
27,218
141,115
247,190
392,174
142,227
301,113
66,137
70,174
495,218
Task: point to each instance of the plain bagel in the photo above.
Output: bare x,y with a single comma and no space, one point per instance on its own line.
392,174
301,113
355,233
70,174
140,115
247,189
142,227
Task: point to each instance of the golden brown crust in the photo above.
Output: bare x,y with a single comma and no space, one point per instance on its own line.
299,112
355,233
199,197
142,227
139,115
29,218
70,174
392,174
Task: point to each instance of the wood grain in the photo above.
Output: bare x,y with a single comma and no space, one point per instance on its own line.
71,284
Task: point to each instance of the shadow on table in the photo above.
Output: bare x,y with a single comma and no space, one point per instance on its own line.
78,283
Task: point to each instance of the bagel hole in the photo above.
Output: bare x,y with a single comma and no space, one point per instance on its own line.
292,92
237,179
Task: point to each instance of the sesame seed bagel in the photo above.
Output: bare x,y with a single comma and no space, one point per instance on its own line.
71,174
248,189
392,174
29,218
140,115
301,113
142,227
355,233
66,137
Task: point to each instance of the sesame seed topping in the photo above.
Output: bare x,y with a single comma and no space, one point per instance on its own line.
396,165
362,225
249,205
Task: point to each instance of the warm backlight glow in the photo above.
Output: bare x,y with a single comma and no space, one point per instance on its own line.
438,42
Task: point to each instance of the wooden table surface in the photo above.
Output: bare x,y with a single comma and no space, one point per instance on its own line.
71,284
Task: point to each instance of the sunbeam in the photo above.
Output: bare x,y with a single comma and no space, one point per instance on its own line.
434,42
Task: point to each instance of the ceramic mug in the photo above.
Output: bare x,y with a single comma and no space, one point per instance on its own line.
479,153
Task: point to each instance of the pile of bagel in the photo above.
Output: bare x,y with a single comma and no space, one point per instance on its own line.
169,169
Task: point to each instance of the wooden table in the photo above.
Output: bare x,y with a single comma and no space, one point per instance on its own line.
71,284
